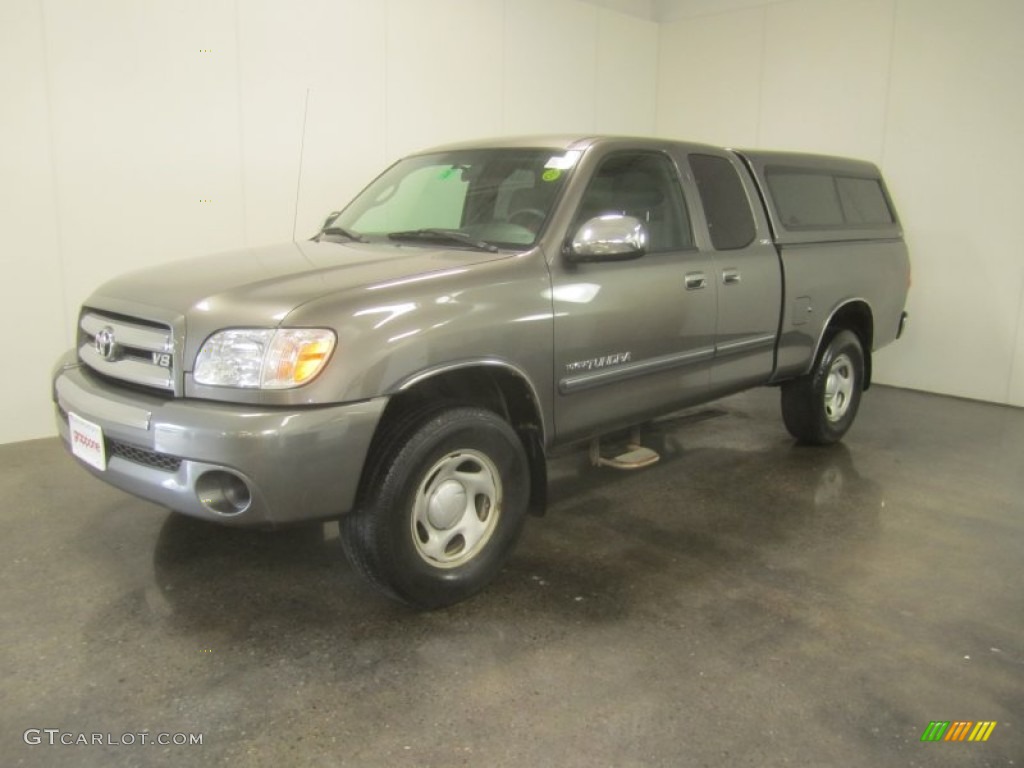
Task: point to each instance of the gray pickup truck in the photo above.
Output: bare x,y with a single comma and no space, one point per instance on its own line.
410,368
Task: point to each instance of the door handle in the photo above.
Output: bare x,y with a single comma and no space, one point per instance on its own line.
730,276
695,281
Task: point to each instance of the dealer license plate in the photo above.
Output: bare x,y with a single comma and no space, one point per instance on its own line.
87,441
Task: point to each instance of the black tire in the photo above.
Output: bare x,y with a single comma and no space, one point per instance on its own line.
442,507
819,408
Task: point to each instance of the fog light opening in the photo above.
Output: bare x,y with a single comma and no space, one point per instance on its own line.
223,493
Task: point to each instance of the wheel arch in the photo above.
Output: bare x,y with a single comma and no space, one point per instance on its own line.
852,315
495,385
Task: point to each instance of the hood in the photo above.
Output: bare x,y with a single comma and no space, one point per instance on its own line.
260,286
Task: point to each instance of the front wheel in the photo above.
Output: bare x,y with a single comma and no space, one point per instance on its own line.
442,509
820,407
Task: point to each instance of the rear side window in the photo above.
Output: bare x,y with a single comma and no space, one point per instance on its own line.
817,200
730,220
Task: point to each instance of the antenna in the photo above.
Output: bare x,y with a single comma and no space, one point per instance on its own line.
298,181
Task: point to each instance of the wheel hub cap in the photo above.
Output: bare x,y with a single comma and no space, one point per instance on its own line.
839,388
456,509
447,504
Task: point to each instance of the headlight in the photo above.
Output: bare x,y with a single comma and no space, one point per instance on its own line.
263,357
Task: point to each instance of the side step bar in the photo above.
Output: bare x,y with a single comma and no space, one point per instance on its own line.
635,456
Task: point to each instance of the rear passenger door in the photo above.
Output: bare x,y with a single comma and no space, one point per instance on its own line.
746,269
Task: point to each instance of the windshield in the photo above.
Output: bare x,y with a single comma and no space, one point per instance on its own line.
465,198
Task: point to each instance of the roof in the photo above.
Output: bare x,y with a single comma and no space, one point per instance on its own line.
539,141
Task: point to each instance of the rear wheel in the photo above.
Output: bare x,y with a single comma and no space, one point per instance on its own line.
444,504
820,407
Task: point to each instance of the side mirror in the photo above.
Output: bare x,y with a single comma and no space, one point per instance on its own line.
612,237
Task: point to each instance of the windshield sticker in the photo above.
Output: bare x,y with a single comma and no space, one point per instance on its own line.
551,174
564,162
447,173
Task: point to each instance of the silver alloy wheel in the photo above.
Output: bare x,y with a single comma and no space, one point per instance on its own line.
456,509
839,387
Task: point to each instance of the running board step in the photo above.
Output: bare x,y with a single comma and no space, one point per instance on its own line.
635,456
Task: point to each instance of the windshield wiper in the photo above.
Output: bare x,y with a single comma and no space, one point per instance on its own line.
431,234
341,231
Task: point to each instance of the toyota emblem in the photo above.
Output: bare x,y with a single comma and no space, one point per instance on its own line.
106,346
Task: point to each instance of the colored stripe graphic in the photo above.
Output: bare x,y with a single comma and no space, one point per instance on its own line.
958,730
982,731
935,730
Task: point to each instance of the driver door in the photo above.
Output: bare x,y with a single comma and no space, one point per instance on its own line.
633,338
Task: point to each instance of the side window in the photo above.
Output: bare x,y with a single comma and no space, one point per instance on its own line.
644,185
821,200
863,201
805,200
730,220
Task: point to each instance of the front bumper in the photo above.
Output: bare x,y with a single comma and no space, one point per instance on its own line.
188,455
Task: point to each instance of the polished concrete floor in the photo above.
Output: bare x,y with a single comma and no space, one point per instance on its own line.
745,602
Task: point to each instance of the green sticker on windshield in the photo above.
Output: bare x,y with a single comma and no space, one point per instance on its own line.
551,174
447,173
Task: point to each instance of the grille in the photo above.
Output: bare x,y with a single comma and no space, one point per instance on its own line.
135,351
138,455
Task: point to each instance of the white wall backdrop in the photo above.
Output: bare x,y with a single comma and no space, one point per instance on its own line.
930,90
139,131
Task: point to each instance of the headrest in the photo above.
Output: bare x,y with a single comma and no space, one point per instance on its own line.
639,190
